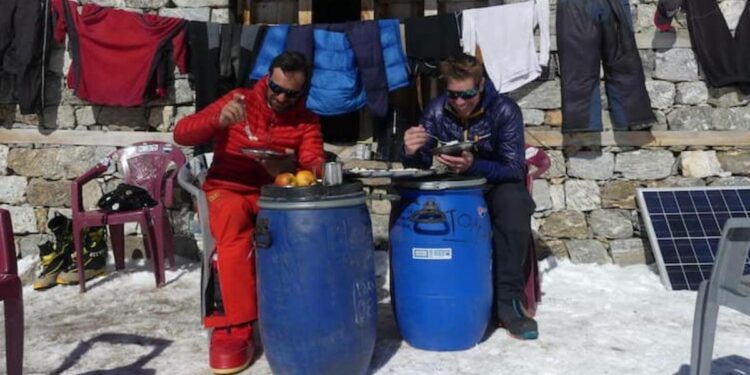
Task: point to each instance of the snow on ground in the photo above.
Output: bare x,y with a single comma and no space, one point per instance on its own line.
593,320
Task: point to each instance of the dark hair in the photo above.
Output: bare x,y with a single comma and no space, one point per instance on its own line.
462,67
290,61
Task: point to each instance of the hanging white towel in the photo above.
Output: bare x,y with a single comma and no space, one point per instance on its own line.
505,33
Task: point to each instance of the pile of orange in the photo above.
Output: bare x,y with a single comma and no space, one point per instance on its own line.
302,178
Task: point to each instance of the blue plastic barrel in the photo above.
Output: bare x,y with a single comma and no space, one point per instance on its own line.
441,258
317,301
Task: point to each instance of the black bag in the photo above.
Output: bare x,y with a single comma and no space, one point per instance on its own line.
125,197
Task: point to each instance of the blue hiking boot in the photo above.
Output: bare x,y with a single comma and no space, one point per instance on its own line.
514,318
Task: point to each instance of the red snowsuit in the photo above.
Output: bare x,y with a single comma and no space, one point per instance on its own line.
233,184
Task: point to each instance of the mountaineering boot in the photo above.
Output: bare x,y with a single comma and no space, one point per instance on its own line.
231,349
52,262
94,258
54,257
516,320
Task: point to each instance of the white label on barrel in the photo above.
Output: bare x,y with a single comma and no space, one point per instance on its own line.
443,253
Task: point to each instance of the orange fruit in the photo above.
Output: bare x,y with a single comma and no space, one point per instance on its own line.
305,178
285,179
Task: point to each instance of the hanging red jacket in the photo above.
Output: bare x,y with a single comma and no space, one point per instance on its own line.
118,57
297,129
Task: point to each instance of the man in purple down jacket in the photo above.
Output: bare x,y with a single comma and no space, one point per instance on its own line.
471,110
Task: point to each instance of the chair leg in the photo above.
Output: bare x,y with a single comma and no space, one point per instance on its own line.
117,237
164,236
78,246
704,331
14,335
150,242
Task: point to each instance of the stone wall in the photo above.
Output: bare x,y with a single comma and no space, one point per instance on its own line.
585,204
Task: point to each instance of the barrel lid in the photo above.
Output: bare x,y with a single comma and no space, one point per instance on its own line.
440,182
273,193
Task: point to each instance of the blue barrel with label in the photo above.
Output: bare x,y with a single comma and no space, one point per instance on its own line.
441,258
317,301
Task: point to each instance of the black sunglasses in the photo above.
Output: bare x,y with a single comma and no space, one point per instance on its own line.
278,90
465,95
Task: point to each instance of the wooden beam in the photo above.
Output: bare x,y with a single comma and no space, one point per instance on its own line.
430,7
304,12
367,8
549,138
553,138
79,137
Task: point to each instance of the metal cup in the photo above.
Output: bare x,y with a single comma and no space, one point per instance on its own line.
332,174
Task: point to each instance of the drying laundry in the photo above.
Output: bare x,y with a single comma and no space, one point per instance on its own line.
119,58
505,33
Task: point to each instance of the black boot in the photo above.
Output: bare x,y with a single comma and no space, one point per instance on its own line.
94,257
54,257
516,320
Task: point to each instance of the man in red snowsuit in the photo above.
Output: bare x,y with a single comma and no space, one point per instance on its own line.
271,115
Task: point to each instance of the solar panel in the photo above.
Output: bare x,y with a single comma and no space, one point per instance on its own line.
684,228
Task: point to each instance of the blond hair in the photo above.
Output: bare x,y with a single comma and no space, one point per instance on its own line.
462,67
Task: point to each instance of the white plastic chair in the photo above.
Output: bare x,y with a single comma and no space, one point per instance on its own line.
191,177
726,287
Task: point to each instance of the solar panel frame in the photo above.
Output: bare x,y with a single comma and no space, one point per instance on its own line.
669,227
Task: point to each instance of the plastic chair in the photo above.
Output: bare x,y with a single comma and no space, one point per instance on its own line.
12,297
537,162
191,177
145,164
726,287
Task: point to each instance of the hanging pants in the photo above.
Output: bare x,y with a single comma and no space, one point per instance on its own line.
590,31
724,59
232,218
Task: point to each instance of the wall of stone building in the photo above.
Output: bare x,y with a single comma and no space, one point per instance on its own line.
585,204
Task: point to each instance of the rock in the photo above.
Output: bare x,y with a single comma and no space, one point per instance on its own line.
541,195
699,164
28,246
739,119
553,117
732,10
60,117
587,251
661,94
731,181
379,229
725,97
555,247
190,14
53,163
12,189
145,4
4,159
691,93
45,193
557,164
629,251
581,195
737,162
676,65
183,94
565,224
23,218
544,96
86,116
611,223
202,3
648,59
690,118
557,196
619,194
183,111
220,16
123,119
645,164
645,17
160,118
590,165
532,116
677,181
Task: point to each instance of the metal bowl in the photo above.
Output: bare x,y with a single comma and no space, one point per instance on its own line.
453,149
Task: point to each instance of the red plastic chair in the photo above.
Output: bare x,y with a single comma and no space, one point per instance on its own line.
152,166
537,162
12,297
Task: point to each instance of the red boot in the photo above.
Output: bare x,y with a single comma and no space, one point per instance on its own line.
231,349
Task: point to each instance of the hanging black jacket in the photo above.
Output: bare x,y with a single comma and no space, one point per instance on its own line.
21,67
